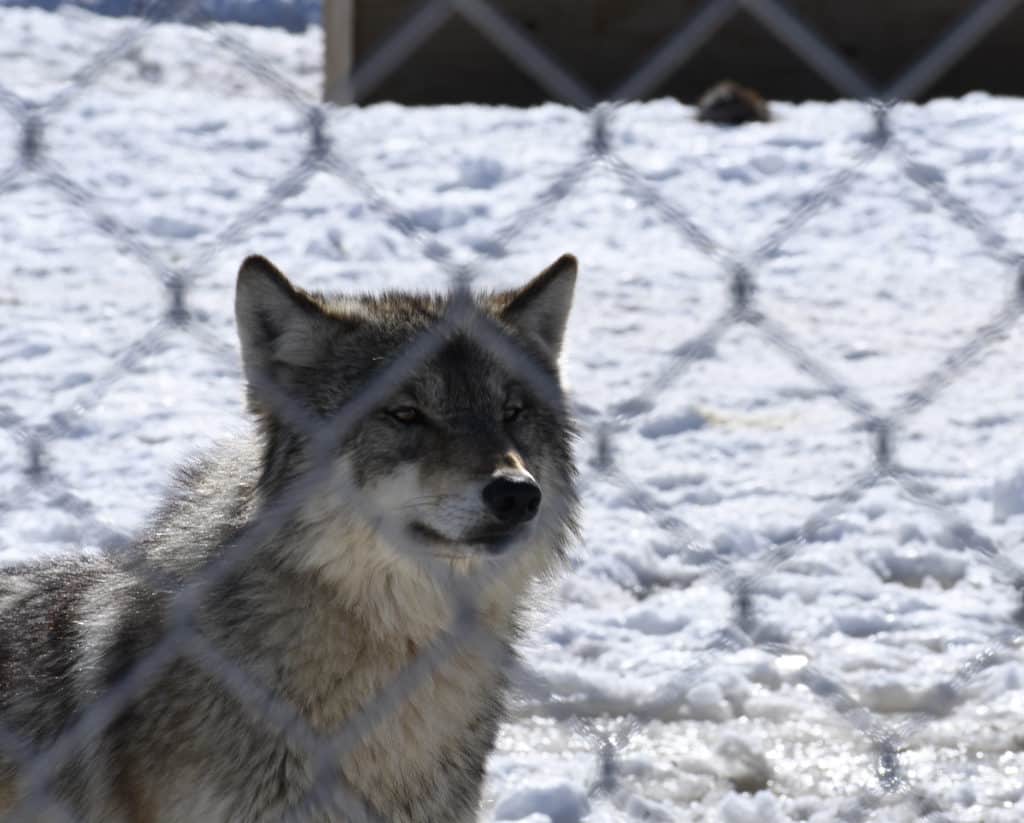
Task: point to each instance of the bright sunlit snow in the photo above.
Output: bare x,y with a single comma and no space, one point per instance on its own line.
710,465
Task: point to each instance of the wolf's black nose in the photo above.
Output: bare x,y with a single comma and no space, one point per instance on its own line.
512,501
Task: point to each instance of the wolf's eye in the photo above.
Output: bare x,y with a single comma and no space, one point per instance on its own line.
511,412
406,414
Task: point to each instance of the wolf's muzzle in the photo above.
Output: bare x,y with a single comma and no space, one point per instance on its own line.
512,500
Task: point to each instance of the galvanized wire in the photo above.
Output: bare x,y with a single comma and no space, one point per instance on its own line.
35,165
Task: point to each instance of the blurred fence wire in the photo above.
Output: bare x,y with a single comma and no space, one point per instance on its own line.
34,164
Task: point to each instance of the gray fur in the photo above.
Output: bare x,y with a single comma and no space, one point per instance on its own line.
331,604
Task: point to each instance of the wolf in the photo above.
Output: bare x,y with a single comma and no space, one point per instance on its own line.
320,621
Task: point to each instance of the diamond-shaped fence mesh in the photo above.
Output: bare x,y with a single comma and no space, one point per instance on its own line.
35,163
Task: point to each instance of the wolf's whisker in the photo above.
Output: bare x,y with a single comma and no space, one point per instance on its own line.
418,504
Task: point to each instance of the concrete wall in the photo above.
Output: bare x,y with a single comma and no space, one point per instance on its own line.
602,40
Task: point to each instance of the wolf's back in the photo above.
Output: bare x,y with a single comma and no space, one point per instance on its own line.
54,616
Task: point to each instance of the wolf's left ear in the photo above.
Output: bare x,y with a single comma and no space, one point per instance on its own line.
541,307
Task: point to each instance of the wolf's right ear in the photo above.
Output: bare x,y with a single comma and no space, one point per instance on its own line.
277,324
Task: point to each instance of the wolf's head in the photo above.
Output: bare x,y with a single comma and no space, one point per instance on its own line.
462,452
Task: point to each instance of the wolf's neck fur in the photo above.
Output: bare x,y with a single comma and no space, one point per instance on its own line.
326,537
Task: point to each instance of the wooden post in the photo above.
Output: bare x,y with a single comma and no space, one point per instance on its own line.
339,45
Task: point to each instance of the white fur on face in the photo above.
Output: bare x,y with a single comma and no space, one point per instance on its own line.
359,541
451,506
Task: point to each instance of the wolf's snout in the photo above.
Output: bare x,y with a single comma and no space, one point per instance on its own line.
512,500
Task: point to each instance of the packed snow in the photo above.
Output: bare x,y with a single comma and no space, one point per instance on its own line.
891,616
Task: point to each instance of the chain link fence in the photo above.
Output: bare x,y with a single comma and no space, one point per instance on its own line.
34,163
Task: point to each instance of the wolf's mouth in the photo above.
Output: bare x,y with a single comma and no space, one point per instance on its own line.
491,540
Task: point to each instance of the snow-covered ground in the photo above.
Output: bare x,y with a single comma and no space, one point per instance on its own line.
721,462
294,15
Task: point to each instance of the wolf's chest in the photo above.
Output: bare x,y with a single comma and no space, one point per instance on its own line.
412,732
